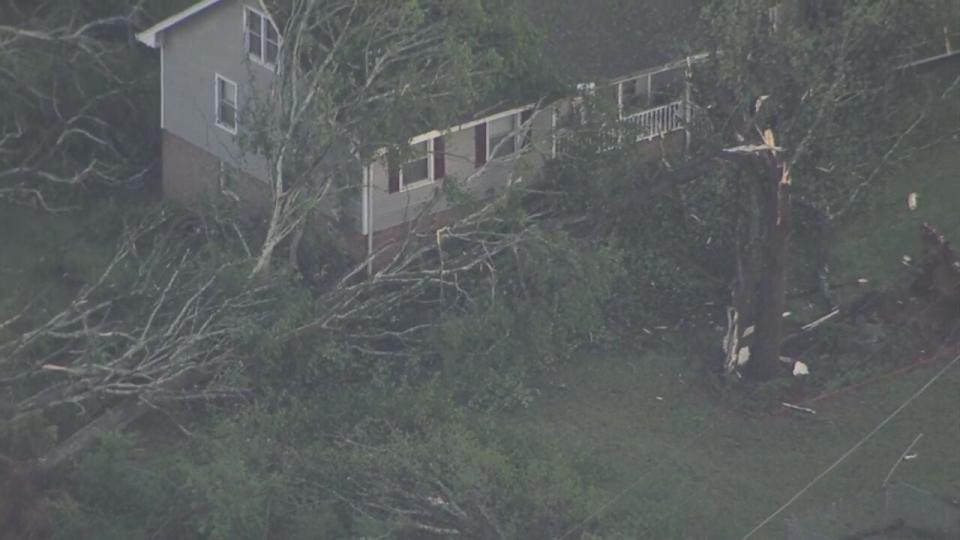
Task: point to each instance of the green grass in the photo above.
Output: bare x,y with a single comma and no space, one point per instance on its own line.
873,247
46,257
694,468
675,460
689,466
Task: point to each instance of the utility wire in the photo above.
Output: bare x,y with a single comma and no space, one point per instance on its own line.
855,447
609,502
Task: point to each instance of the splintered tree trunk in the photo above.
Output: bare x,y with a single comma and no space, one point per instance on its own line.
774,199
740,313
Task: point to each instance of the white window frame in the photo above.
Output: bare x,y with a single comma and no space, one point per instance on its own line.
265,22
519,134
430,169
216,104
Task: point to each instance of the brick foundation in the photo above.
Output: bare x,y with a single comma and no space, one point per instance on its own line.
190,173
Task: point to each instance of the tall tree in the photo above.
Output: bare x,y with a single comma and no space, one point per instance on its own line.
808,104
74,110
162,322
361,75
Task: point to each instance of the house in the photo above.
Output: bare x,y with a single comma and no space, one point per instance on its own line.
218,54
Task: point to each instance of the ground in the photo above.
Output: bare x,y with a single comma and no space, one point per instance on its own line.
679,461
688,466
677,454
874,245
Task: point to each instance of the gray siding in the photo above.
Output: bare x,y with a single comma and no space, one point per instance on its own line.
392,209
212,42
194,51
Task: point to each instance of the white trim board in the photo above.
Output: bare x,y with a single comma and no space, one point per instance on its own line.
149,36
163,97
460,127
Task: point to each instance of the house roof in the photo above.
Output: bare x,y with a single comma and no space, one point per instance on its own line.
591,40
149,37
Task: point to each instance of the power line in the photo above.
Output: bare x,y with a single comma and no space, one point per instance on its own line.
855,447
609,502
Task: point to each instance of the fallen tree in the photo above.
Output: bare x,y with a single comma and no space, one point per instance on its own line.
163,323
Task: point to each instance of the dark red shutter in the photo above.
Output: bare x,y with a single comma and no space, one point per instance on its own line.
439,159
527,132
480,146
393,173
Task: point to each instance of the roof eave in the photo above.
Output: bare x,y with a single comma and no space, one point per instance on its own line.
150,36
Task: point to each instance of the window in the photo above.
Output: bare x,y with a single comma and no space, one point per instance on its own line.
263,40
635,95
418,169
226,103
428,164
502,136
503,140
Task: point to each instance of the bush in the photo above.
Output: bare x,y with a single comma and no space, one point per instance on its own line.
676,238
373,465
116,494
549,299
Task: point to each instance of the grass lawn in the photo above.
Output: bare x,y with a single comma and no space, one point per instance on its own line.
693,468
687,466
873,247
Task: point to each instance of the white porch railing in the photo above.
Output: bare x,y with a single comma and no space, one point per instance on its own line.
641,126
654,122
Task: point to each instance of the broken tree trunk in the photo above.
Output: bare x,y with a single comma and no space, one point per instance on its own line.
740,313
775,216
759,291
114,419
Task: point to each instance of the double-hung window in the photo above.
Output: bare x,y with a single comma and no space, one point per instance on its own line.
263,40
226,103
426,164
503,136
417,170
